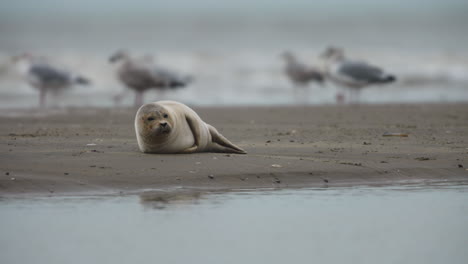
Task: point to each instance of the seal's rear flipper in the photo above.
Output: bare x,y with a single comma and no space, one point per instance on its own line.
226,145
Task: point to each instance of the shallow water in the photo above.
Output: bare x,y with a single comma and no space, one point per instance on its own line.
348,225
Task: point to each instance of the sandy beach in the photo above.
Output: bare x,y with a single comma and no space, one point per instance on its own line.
73,151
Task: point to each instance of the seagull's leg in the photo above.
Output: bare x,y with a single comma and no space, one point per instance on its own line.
350,95
306,96
42,97
138,98
354,100
358,96
296,94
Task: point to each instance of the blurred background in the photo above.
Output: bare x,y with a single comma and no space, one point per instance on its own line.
232,48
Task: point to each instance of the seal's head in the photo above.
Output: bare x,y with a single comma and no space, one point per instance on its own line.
154,123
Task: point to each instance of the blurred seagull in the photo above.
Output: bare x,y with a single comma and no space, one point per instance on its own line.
352,74
300,74
45,77
142,74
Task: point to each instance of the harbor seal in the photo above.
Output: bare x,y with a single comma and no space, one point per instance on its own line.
172,127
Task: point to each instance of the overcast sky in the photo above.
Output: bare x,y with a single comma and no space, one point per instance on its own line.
30,8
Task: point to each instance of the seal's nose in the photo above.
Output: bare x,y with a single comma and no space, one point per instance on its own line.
163,124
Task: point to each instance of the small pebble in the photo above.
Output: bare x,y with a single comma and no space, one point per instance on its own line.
276,166
7,173
211,176
460,166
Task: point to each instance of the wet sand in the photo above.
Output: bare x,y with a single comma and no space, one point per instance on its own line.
75,151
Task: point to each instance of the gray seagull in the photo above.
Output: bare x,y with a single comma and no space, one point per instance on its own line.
46,77
300,74
142,74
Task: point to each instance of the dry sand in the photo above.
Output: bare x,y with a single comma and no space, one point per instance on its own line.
48,152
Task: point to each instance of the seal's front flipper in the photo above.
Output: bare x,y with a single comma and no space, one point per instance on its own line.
192,149
216,137
195,130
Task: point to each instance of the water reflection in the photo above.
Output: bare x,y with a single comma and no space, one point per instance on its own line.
344,225
161,199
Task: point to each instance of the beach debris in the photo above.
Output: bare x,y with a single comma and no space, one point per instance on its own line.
336,149
460,166
13,179
197,163
277,181
276,166
390,134
424,158
91,144
351,163
324,179
211,176
287,133
366,143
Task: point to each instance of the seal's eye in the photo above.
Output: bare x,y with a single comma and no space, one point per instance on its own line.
150,118
165,116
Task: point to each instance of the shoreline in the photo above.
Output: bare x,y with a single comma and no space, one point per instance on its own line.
93,150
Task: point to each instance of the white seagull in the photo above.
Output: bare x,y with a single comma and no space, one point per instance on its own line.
352,74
